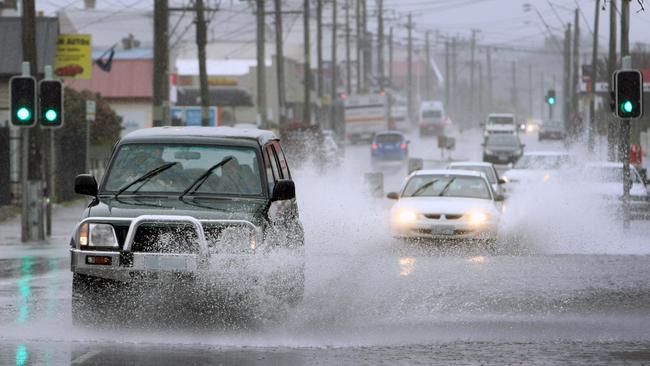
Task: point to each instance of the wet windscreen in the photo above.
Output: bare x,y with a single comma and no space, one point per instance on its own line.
388,138
487,170
501,121
431,114
542,161
446,186
239,175
503,140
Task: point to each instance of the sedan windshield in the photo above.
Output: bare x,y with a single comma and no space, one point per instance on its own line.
501,121
485,169
389,138
239,176
446,186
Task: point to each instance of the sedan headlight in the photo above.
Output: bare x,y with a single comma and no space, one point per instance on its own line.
477,217
97,235
406,217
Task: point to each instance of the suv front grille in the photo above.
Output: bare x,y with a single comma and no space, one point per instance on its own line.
165,238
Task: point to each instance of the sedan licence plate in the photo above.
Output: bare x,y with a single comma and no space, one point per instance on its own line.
442,230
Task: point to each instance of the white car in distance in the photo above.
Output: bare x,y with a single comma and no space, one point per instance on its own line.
445,204
537,167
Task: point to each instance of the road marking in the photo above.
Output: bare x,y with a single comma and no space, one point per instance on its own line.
85,357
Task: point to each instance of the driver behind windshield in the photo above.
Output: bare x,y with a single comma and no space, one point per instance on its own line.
236,178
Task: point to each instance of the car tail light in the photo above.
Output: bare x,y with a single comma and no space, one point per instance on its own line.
373,146
403,146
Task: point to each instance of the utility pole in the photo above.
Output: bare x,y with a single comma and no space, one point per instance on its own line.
306,112
612,126
447,76
542,99
427,70
367,45
574,76
32,183
566,76
488,60
472,106
390,55
161,63
530,90
201,39
333,97
380,42
319,46
261,65
454,78
348,65
279,62
409,86
480,89
594,76
624,143
515,102
359,48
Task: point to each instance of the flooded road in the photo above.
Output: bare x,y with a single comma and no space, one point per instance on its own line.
371,299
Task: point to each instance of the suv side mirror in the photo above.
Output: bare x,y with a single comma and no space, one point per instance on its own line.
503,180
284,190
392,196
85,184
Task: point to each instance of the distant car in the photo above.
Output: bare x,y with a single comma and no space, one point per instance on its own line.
445,204
501,148
552,130
432,118
500,123
486,168
537,167
389,145
605,180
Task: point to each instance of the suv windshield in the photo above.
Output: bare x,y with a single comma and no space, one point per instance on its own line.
501,121
503,140
239,176
542,161
446,186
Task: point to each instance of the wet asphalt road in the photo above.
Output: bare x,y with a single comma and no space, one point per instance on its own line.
369,299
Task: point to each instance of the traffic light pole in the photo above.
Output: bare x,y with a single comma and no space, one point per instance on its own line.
550,112
24,166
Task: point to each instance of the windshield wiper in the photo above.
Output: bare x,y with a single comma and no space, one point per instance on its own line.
148,175
202,178
423,187
446,187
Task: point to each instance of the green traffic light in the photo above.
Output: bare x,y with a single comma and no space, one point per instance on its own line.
551,100
627,106
50,115
23,114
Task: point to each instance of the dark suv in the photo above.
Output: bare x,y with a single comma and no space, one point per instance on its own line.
502,148
186,203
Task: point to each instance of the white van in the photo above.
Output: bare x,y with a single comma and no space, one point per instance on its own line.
432,118
500,123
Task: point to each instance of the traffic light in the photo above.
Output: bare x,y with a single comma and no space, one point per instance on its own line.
550,97
50,98
629,94
22,95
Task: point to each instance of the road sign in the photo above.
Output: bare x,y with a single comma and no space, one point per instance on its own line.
91,109
73,56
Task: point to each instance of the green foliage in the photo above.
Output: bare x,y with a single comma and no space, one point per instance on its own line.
108,125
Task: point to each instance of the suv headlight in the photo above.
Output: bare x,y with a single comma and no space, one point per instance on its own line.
97,235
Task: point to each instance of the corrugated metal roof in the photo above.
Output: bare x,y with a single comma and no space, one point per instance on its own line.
47,30
127,79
